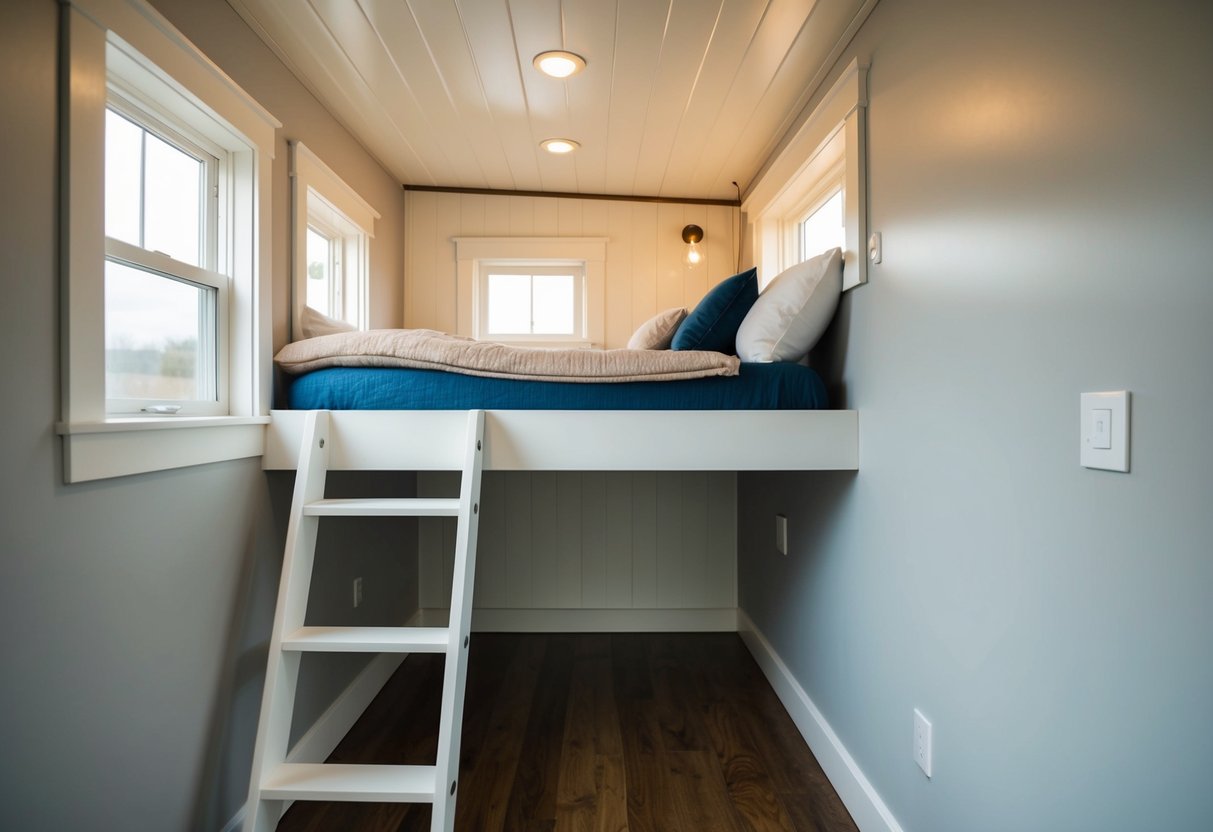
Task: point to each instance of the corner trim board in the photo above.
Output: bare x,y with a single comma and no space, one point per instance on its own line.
858,794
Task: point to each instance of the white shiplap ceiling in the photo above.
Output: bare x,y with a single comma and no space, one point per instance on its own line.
678,98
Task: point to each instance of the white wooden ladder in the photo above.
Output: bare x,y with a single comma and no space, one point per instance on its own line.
273,779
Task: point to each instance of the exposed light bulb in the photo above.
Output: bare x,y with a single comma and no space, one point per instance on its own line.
693,255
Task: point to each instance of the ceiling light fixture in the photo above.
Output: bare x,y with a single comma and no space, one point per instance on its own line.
559,146
558,63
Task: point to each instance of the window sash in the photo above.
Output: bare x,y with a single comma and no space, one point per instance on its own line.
543,267
213,329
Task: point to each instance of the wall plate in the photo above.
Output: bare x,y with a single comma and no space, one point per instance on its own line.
1104,430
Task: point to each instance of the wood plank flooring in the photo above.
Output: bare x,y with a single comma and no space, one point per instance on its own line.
601,733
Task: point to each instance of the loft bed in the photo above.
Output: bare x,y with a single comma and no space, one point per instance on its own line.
364,404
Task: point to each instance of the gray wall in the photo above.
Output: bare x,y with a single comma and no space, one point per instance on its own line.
1040,172
134,612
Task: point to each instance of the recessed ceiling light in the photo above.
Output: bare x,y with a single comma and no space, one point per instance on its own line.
559,146
559,64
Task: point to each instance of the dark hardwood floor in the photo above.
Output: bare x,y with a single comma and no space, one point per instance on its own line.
603,733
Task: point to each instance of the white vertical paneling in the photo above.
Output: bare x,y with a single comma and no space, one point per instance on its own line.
567,522
450,213
721,254
721,563
619,326
644,540
644,263
695,509
491,574
522,216
545,540
421,217
670,250
547,222
619,547
589,30
670,573
593,533
568,217
519,553
496,217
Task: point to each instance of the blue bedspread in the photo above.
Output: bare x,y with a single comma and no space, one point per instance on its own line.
779,386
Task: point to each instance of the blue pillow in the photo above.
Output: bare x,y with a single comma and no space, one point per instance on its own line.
713,324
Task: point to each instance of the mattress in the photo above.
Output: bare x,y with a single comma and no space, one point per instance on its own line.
777,386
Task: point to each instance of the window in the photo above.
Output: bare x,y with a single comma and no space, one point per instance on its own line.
813,196
165,304
547,291
333,230
823,229
532,302
163,308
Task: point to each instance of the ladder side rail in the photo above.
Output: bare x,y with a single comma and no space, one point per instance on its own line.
282,670
462,588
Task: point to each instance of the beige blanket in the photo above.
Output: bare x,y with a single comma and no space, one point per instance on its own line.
425,349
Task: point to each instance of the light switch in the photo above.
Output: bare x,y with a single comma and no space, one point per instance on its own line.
1101,428
1104,421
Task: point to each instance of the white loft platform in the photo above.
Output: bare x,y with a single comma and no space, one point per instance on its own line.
580,440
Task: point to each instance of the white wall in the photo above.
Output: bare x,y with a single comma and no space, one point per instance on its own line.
1040,173
644,269
135,612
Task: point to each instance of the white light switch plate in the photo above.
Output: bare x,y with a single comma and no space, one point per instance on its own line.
1104,420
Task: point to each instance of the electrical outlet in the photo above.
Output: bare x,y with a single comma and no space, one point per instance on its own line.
357,592
922,742
781,533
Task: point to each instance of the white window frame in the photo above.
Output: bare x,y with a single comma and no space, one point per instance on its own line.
474,256
829,146
214,268
322,199
128,45
541,267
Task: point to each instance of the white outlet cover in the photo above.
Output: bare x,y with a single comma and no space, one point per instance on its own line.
1093,409
922,742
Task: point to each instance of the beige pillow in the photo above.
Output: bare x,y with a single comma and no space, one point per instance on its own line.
793,311
314,324
658,331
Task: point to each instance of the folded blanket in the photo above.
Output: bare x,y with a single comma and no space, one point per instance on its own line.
425,349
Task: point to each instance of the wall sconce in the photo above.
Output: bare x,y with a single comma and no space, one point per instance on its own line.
692,235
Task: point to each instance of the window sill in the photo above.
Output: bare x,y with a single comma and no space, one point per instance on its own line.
121,446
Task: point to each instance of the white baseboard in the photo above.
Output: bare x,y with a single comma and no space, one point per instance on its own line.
865,805
331,726
723,620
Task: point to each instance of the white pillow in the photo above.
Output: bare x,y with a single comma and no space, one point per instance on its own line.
658,331
315,323
793,311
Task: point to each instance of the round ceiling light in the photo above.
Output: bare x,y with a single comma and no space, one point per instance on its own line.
559,146
559,64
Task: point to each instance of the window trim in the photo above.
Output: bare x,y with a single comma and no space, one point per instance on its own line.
472,254
339,205
130,40
833,135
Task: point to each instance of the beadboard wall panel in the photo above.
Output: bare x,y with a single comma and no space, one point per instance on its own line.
644,269
590,540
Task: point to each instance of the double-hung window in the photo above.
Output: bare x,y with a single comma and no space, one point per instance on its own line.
166,172
166,298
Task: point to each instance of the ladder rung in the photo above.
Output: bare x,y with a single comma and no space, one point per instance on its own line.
367,640
385,507
332,781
